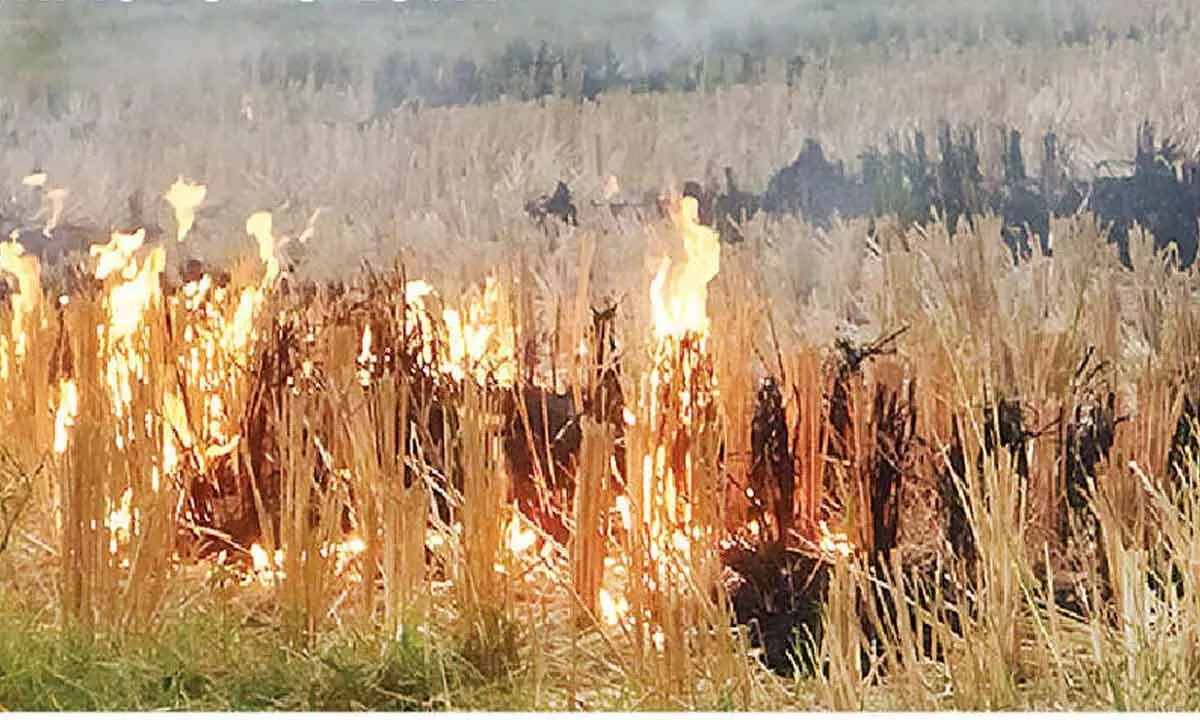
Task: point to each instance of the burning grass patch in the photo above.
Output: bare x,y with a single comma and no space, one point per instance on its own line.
404,498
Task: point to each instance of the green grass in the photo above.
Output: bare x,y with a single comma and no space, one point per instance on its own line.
210,660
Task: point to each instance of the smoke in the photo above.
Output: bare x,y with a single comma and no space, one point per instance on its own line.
680,30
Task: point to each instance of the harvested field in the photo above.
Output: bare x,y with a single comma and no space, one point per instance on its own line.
866,385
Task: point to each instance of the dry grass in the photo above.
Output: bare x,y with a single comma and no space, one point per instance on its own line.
433,185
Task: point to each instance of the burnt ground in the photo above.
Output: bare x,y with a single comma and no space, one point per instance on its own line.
1161,192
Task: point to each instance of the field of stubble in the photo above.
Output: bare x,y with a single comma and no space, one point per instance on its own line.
386,565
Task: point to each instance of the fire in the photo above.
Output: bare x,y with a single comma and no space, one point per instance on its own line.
117,254
366,358
520,539
478,342
679,294
129,300
483,343
833,543
185,198
344,553
64,416
134,290
266,568
678,395
258,226
416,317
613,607
237,340
28,271
120,522
215,345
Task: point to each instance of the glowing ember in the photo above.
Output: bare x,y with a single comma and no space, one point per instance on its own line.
185,198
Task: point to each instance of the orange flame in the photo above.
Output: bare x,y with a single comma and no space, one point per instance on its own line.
483,343
520,538
27,270
185,198
64,416
833,543
679,294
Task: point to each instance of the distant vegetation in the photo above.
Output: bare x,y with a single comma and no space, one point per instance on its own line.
452,53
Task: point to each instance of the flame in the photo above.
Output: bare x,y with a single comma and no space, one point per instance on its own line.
834,543
129,301
216,332
520,539
64,416
117,254
366,358
120,522
258,226
265,568
185,198
344,554
260,558
612,607
679,295
236,340
482,344
134,290
27,270
664,512
478,342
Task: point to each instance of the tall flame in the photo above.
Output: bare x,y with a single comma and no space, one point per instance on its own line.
679,294
258,226
185,198
237,340
27,270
